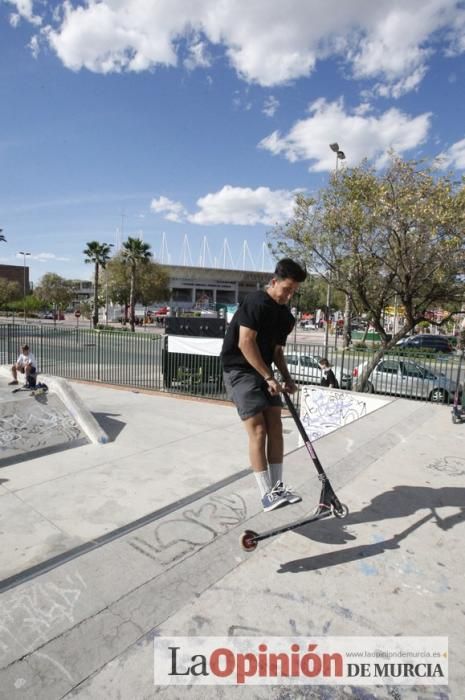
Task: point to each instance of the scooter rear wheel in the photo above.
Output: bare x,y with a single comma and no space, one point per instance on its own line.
341,512
248,541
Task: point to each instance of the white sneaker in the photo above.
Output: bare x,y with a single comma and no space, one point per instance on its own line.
273,499
287,492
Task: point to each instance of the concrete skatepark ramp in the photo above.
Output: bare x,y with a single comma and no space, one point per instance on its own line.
35,425
150,547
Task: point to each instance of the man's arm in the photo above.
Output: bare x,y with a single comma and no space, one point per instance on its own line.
248,346
280,362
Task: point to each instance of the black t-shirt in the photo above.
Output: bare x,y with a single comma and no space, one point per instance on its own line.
272,321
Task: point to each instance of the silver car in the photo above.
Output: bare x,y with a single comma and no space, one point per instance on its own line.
304,369
407,378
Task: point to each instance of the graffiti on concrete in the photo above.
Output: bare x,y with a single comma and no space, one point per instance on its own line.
324,410
453,466
177,537
27,425
30,615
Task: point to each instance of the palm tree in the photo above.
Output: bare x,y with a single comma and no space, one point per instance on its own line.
98,254
2,237
135,253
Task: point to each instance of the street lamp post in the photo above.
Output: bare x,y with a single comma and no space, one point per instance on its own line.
340,155
328,302
24,280
106,290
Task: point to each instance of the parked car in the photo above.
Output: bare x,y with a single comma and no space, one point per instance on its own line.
304,369
426,342
406,378
162,311
453,341
52,315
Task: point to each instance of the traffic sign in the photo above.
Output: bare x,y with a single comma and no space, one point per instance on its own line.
77,313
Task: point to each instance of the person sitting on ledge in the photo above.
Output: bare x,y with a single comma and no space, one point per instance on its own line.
26,364
328,377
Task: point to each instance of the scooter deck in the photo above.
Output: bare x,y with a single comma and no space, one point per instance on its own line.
250,539
31,391
329,505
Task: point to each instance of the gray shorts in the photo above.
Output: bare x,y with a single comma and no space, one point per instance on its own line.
249,392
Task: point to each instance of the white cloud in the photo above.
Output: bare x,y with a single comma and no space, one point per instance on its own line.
243,206
44,257
24,10
454,157
359,135
239,206
457,34
174,211
362,109
34,45
401,87
387,41
198,56
270,106
241,100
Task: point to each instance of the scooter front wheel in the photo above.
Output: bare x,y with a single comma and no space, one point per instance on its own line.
341,512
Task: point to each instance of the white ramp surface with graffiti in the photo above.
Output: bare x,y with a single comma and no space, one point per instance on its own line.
31,425
324,410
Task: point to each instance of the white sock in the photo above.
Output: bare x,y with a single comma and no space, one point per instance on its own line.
276,473
263,482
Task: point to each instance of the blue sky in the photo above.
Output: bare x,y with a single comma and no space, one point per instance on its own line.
194,122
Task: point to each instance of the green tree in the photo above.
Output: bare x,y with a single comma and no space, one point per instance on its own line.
32,303
152,282
86,309
313,295
98,254
53,290
136,254
376,236
9,291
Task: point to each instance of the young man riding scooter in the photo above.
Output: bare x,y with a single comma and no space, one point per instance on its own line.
255,339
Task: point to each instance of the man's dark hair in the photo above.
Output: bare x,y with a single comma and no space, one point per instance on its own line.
289,269
24,347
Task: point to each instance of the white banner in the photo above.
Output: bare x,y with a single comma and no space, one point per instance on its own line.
301,661
193,345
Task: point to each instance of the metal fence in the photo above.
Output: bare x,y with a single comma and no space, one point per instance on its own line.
140,360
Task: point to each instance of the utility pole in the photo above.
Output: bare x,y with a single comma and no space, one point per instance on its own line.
24,254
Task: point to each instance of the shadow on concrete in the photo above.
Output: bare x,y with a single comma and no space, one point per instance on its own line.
41,452
3,481
400,502
110,425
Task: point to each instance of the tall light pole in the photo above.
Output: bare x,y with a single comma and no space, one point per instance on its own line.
106,290
340,155
24,280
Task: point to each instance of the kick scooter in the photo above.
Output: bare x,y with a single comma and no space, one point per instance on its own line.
329,503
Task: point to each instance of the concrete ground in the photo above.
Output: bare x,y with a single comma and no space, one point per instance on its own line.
106,546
